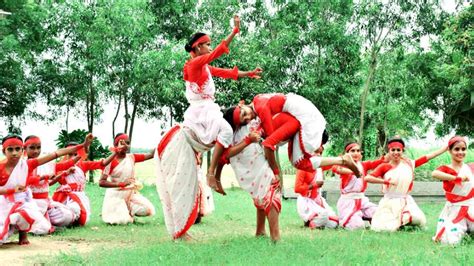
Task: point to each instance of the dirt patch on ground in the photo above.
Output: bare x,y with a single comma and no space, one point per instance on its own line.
41,247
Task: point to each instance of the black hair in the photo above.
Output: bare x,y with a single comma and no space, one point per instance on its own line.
189,45
71,143
30,137
229,117
396,139
118,135
325,137
11,136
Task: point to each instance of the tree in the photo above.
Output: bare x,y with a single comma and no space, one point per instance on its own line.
387,25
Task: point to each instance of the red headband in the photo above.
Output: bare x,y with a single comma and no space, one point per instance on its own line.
203,39
455,139
34,140
396,144
119,138
236,116
12,142
350,146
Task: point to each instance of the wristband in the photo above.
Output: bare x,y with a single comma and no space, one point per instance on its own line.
458,180
122,184
252,74
386,182
247,140
11,191
276,171
235,30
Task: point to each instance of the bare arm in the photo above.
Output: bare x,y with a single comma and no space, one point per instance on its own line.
436,153
103,182
150,155
446,177
61,152
230,37
374,180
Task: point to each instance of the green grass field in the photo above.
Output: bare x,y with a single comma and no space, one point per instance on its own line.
227,237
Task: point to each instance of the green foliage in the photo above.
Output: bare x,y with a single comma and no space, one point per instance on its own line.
96,150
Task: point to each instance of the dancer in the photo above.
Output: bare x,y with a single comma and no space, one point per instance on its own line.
397,208
203,115
18,211
203,126
353,206
311,206
457,217
40,192
294,118
122,201
253,173
71,191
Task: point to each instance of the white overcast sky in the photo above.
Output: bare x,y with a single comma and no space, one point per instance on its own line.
146,133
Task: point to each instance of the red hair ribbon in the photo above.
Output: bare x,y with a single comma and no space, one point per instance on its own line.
350,146
119,138
34,140
203,39
236,116
12,142
455,139
396,144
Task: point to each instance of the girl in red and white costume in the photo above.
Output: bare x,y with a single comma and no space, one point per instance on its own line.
253,173
353,206
122,201
397,208
47,171
18,211
292,118
71,191
203,115
203,126
457,217
311,206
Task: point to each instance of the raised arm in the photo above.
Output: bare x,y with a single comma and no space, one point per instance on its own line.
236,30
61,152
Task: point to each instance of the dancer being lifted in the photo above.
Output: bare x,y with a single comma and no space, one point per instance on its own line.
203,127
294,118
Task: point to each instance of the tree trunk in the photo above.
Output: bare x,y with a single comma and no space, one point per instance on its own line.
116,115
91,127
67,118
127,116
368,81
132,121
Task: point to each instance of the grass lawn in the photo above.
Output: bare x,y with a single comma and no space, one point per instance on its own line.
226,237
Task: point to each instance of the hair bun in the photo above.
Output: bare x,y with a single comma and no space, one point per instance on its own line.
188,48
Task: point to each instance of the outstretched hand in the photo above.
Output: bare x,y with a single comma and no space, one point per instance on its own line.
256,73
236,22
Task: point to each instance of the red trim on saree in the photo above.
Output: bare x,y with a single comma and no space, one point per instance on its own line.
357,207
191,219
166,139
6,224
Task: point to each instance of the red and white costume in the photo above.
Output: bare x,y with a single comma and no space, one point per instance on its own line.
18,211
254,174
121,205
41,190
397,207
203,115
457,217
294,118
311,206
177,178
71,193
353,206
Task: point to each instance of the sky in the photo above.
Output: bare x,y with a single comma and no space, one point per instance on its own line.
147,133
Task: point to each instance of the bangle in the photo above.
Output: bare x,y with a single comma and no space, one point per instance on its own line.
235,30
122,184
11,191
386,182
458,180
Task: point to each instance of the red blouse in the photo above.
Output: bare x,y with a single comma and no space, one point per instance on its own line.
138,158
194,69
266,106
31,180
304,179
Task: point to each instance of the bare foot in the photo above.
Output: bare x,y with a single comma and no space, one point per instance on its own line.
186,237
261,234
349,162
23,238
